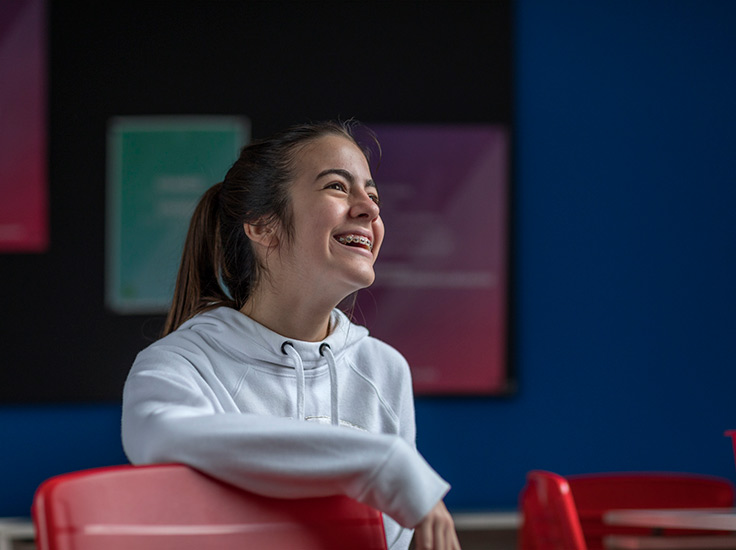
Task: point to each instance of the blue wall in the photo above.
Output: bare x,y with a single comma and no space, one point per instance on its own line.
625,252
624,266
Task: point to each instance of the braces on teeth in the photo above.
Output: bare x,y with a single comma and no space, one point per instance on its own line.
365,241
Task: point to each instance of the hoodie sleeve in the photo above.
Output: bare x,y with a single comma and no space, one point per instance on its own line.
168,417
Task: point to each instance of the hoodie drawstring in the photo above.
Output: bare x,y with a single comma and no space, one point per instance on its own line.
288,349
326,351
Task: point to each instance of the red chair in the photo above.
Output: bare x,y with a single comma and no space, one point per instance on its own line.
595,494
171,506
550,517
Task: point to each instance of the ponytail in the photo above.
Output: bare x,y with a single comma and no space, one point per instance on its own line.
198,280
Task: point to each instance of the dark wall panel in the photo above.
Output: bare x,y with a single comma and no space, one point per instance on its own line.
276,63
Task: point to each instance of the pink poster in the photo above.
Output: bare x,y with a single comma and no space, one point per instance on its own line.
441,278
23,195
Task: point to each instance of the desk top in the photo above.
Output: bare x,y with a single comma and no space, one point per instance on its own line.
716,519
492,520
14,529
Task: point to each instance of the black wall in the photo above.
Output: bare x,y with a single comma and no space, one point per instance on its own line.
276,63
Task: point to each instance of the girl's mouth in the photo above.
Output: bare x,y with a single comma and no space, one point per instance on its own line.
355,240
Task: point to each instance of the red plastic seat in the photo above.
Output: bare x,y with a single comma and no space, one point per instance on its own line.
175,507
594,494
550,517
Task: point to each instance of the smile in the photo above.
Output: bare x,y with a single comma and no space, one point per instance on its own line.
355,240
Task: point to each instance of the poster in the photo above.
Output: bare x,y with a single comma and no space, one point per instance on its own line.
440,295
158,168
23,166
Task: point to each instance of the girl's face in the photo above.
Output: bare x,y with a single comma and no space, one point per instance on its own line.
337,230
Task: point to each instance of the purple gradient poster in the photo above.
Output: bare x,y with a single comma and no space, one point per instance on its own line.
23,194
441,277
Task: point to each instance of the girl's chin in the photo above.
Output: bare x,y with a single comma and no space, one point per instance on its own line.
358,283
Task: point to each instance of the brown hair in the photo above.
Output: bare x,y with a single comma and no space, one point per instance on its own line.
218,266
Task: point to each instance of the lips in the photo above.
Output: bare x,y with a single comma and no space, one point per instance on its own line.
353,239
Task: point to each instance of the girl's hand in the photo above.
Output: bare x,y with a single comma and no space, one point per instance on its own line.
436,531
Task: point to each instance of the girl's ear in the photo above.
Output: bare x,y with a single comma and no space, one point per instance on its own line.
263,234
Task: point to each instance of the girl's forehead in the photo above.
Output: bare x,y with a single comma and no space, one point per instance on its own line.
331,149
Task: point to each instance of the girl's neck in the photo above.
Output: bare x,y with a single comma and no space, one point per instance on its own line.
300,320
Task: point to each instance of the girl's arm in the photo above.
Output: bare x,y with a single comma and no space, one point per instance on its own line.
168,418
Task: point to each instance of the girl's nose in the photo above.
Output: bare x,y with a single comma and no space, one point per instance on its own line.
364,205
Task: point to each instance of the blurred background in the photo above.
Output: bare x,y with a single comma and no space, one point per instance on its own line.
622,308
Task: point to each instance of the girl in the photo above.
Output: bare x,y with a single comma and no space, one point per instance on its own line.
259,380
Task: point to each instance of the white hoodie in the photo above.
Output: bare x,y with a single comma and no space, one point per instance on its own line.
230,397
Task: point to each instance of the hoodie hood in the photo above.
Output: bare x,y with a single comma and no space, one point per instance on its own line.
242,336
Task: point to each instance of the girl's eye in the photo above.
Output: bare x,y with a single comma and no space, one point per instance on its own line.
336,185
375,198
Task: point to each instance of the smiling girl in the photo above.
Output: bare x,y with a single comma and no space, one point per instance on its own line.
259,380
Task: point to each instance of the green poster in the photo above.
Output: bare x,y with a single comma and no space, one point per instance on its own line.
158,168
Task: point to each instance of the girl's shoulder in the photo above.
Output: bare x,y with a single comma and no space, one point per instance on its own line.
380,362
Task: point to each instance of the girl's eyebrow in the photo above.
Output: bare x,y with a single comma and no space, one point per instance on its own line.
344,174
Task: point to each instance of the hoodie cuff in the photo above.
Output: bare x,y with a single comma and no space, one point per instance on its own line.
404,486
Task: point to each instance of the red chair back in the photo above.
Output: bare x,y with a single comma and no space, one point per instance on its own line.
175,507
595,494
550,518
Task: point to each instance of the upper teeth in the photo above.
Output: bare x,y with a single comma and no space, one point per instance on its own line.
365,241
